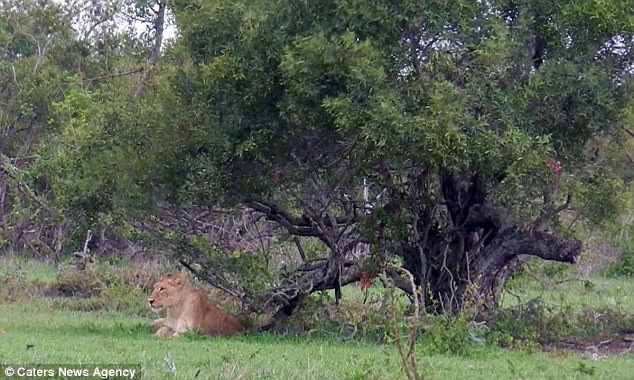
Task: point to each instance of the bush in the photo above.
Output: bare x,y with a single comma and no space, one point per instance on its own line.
312,315
103,287
452,336
625,265
15,287
73,282
93,291
537,322
122,297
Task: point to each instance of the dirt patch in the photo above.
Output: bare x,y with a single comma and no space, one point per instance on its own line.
595,349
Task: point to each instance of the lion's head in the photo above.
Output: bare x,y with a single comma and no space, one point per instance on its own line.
167,291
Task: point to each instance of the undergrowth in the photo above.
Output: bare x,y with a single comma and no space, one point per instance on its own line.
377,315
532,324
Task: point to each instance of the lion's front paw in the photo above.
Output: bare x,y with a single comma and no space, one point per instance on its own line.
179,331
158,324
164,331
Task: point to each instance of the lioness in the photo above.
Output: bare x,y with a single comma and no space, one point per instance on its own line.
188,309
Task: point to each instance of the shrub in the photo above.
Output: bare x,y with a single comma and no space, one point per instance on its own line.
104,287
15,287
457,335
312,315
73,282
624,266
537,322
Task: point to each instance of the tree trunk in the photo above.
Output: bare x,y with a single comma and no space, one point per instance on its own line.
159,26
475,250
502,257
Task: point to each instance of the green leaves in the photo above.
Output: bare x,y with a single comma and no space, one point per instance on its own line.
430,85
604,196
260,98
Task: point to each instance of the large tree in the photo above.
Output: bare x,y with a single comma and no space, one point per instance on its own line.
450,137
447,134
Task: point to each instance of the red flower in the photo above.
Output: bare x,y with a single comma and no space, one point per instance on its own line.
365,280
555,166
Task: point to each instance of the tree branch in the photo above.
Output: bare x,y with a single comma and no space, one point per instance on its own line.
628,131
547,215
413,45
134,71
213,283
294,225
300,249
301,226
511,244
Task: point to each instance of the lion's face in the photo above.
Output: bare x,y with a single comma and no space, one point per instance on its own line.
167,291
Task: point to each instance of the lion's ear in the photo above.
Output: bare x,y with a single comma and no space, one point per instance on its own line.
180,276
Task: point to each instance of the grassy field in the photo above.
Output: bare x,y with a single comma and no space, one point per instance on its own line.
40,330
596,291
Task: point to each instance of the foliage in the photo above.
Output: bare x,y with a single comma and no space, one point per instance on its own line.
314,315
333,72
60,65
539,323
449,138
621,235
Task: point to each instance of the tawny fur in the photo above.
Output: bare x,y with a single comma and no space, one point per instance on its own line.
188,309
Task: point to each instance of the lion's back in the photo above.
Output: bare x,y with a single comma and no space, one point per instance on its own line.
209,319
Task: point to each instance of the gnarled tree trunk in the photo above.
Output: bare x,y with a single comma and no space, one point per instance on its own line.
477,249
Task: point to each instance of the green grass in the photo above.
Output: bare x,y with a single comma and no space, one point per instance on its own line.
38,330
34,332
34,272
595,292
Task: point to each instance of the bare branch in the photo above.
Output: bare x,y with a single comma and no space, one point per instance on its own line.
11,171
215,284
547,215
301,226
300,249
294,225
414,44
42,51
134,71
631,133
411,354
